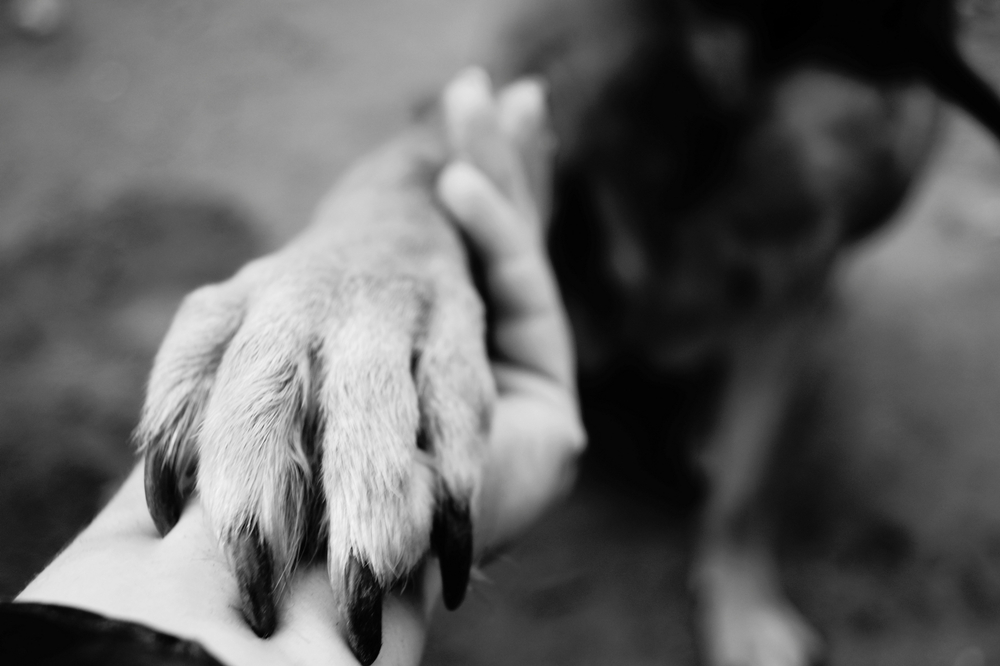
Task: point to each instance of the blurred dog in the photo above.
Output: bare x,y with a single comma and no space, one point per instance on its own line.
715,155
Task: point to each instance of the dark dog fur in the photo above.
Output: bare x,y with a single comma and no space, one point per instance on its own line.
715,155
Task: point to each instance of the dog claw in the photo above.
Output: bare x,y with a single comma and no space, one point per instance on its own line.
364,611
165,497
255,578
451,539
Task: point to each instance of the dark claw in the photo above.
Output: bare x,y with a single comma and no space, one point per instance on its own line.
451,539
255,578
165,496
364,611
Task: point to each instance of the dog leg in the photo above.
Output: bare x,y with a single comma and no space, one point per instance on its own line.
744,619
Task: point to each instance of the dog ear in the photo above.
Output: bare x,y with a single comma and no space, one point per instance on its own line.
950,76
927,36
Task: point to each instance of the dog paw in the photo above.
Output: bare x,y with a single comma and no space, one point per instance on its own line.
316,402
746,623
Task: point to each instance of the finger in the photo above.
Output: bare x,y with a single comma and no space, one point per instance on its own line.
498,231
519,278
178,389
537,439
475,135
531,326
523,119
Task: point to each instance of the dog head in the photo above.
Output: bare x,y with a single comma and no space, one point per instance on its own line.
732,146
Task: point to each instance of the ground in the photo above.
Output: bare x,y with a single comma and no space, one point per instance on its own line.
154,145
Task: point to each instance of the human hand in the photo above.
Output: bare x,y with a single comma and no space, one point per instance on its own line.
498,191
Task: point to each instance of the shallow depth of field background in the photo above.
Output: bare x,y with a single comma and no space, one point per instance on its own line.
154,145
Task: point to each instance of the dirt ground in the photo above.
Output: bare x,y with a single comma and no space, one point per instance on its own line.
154,145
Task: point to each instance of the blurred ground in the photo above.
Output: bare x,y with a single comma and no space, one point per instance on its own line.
157,144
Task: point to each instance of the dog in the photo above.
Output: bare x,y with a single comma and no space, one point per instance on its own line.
715,156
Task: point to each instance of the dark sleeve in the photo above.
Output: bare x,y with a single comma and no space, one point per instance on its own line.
33,633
